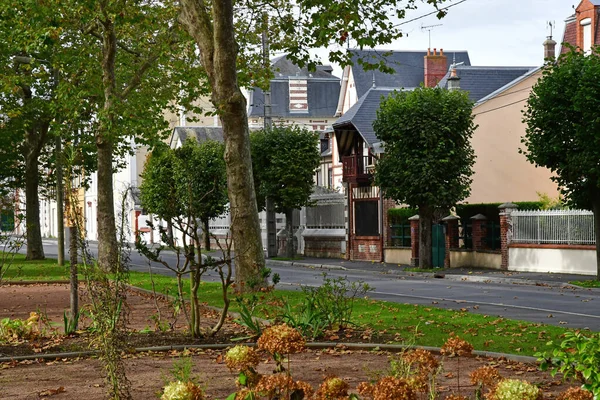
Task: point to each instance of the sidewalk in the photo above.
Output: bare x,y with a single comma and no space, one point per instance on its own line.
455,274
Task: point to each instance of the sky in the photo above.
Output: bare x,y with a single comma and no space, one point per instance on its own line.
494,32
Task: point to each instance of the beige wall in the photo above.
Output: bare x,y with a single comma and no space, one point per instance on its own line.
397,256
174,119
501,173
566,261
462,259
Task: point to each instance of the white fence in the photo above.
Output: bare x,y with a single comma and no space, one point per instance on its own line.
574,227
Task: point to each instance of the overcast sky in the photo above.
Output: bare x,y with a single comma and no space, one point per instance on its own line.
494,32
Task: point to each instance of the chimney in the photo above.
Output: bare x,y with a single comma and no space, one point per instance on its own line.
549,49
454,80
435,67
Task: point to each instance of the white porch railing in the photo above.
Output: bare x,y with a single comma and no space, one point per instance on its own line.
570,227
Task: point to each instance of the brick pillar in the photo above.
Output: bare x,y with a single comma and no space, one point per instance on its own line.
479,231
451,237
414,240
506,210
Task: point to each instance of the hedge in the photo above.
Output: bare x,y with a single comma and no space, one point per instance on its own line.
491,210
401,215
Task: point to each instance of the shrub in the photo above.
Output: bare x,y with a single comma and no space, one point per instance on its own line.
515,389
578,357
401,215
179,390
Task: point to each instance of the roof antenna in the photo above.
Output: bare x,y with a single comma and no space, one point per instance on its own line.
428,28
550,25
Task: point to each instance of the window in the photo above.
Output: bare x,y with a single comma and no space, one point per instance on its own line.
329,178
586,25
366,218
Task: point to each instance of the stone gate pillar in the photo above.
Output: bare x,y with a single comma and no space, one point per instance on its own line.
506,210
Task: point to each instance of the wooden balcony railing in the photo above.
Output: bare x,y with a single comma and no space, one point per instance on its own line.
356,169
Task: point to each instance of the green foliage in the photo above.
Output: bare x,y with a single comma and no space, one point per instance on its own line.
401,215
248,310
577,357
428,156
491,210
189,181
284,160
563,125
515,389
70,323
335,299
306,317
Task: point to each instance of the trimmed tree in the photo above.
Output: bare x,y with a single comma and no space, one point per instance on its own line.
563,129
428,160
186,187
284,160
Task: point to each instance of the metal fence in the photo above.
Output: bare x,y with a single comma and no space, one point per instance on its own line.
553,227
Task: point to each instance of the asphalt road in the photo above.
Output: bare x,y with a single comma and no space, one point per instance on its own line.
568,307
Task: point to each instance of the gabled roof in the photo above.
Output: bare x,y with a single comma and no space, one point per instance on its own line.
508,86
199,133
362,114
323,91
409,67
481,81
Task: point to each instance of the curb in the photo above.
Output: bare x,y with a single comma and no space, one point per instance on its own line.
392,348
451,277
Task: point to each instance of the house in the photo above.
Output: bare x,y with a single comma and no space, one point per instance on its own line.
582,29
500,171
298,97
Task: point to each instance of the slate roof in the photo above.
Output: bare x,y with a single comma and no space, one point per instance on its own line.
481,81
362,114
200,133
409,67
323,91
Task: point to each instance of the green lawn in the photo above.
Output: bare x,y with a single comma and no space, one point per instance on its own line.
420,325
47,270
586,284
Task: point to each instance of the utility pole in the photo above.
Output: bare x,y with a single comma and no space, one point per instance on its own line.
271,218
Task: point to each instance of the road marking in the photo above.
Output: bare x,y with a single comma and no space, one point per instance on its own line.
490,304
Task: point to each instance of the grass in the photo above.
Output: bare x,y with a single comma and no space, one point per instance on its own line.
415,269
419,325
47,270
586,284
287,258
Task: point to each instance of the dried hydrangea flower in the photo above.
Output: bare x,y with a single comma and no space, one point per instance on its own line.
279,384
576,393
332,388
388,388
281,339
241,358
424,365
486,376
456,397
455,346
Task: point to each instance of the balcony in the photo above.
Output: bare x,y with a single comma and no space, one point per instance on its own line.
357,169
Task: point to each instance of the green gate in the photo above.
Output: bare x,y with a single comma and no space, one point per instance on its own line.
438,239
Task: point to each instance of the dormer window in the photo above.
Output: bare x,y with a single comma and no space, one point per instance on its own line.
586,26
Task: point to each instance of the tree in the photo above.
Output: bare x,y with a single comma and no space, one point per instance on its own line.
225,32
284,160
186,187
563,129
428,160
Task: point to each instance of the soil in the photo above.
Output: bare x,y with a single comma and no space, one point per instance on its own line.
70,378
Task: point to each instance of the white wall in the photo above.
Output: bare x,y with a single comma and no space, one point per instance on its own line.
567,261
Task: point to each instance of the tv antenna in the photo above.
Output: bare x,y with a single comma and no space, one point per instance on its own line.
429,28
551,25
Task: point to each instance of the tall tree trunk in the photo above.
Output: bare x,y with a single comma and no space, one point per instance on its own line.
35,248
206,234
215,36
425,223
107,231
289,227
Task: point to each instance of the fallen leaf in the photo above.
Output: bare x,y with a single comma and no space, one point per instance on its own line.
52,392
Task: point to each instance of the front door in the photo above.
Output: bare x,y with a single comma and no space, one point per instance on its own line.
438,245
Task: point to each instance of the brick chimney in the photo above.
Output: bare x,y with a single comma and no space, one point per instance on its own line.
549,49
436,66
